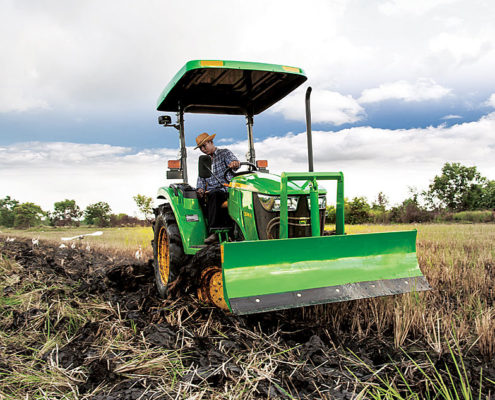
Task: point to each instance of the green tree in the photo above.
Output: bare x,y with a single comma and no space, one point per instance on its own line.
144,205
381,202
458,188
378,212
357,211
331,214
98,214
411,210
488,195
7,215
27,215
65,213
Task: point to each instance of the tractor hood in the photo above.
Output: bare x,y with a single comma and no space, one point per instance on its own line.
264,183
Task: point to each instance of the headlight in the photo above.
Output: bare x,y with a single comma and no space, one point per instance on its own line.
272,203
322,202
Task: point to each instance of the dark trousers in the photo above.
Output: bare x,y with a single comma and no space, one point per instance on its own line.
218,217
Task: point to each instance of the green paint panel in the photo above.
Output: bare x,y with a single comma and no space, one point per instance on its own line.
254,268
192,231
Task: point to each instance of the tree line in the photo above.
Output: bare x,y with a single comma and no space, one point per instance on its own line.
68,213
458,193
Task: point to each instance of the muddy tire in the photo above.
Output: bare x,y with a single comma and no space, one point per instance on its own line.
209,284
168,251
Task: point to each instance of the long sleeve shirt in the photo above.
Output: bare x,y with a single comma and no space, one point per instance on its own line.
220,163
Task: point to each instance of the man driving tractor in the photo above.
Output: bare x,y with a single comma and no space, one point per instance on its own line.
212,191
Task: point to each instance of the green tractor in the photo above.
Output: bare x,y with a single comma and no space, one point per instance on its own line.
278,254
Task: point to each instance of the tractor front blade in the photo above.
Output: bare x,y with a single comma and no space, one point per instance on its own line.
270,275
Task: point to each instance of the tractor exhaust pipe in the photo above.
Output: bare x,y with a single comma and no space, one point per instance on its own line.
308,130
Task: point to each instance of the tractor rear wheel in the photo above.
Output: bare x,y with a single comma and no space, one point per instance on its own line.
167,249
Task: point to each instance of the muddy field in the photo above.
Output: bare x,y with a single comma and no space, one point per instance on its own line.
80,324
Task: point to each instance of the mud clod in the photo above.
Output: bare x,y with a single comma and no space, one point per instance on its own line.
161,335
100,372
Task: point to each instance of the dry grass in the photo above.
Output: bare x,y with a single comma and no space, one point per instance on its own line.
124,241
458,262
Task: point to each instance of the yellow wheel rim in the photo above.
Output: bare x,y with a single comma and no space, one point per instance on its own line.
211,287
163,255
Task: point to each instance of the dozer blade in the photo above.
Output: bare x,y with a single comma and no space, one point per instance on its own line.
270,275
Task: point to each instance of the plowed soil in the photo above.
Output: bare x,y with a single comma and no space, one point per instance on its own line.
289,354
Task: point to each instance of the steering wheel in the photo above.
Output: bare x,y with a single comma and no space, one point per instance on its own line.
251,166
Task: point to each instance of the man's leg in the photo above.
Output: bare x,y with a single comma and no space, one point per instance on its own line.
218,217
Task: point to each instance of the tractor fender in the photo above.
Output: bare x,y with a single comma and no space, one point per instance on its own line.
189,217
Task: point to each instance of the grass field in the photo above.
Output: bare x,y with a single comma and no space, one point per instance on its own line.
122,240
457,317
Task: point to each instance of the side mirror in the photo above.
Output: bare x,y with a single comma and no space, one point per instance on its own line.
204,166
164,120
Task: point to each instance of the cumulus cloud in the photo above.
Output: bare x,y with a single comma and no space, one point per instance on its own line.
121,53
326,107
421,90
491,101
48,172
451,116
225,140
58,153
418,7
372,160
460,47
383,159
470,142
112,55
14,99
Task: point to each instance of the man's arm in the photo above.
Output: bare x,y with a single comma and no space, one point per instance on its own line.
201,183
231,160
200,186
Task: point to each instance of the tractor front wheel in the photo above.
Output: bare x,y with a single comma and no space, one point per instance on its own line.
209,280
211,287
167,250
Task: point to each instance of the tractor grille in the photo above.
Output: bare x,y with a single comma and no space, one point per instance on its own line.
268,222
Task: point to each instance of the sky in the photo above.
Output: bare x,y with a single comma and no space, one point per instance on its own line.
400,87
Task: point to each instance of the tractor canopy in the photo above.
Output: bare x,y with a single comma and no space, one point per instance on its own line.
228,87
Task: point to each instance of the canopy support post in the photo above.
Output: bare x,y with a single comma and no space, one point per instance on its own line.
183,151
308,130
251,157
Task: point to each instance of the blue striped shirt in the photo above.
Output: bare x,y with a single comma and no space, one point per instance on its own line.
220,163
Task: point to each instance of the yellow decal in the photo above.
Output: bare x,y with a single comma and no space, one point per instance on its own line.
247,214
243,186
291,69
211,63
221,253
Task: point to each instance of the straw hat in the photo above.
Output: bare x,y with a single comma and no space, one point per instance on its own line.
203,138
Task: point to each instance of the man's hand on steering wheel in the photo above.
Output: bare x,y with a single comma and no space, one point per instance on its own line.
251,166
234,165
